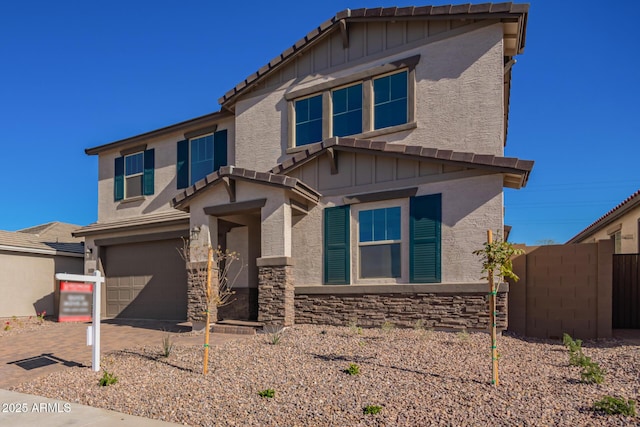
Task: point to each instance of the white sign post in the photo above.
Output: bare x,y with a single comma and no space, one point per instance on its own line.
93,332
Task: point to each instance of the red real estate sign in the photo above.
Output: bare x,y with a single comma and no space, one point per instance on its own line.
76,301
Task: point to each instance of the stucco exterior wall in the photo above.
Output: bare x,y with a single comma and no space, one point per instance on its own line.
27,283
470,207
629,227
165,184
459,97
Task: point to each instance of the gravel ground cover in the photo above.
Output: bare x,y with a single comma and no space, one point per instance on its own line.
417,377
17,325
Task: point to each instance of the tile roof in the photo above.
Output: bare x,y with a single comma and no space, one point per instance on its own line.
52,239
268,178
625,206
462,11
519,169
139,222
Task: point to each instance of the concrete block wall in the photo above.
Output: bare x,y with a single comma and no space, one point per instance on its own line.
563,288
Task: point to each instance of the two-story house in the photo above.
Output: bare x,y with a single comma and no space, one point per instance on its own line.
355,173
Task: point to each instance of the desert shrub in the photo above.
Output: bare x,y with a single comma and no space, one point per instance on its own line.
591,373
353,369
616,406
107,379
372,409
268,393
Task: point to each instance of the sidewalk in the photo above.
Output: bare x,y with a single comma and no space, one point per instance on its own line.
25,410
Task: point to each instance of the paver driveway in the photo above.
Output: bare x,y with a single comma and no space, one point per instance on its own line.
30,354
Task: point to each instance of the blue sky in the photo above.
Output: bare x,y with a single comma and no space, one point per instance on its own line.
78,74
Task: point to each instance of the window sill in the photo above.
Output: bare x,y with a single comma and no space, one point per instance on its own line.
132,200
364,135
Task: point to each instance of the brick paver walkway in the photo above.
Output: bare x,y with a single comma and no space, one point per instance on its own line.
30,354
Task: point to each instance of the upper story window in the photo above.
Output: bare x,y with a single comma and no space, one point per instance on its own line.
390,106
199,156
134,174
347,110
308,120
366,104
133,170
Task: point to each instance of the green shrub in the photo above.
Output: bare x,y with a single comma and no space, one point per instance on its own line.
463,335
353,369
387,326
372,409
107,379
576,357
355,329
616,406
591,373
167,345
268,393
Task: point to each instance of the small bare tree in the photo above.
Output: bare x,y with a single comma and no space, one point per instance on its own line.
212,278
496,258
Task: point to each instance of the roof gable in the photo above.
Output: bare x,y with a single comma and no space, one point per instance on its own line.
513,16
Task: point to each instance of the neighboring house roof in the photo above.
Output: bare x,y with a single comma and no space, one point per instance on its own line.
186,125
231,172
135,223
627,204
53,238
516,171
506,12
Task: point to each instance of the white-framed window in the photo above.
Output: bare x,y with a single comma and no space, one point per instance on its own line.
379,241
200,157
133,174
366,104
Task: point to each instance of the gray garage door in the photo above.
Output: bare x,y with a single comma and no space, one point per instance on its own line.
146,280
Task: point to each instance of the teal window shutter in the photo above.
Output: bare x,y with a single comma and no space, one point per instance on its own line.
336,245
118,181
149,167
425,214
219,149
182,166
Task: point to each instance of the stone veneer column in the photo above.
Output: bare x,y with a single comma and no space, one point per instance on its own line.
275,291
197,294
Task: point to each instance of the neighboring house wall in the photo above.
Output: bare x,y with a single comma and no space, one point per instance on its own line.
459,89
625,228
563,289
27,284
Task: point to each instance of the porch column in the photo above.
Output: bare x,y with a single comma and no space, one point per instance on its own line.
275,267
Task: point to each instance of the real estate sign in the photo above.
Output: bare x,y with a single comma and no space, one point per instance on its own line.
76,302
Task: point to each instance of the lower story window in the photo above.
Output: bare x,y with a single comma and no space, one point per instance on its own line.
379,242
394,241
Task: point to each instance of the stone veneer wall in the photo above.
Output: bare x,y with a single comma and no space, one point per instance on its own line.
468,310
275,295
197,292
243,306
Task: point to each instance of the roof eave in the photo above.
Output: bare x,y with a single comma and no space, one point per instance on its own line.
187,124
